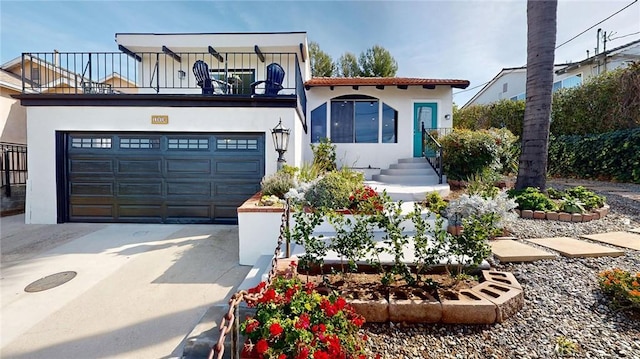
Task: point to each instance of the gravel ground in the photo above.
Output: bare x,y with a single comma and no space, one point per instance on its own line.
562,299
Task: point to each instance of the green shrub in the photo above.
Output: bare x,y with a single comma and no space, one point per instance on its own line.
466,152
588,198
334,189
324,155
532,199
434,202
604,103
277,184
502,114
613,155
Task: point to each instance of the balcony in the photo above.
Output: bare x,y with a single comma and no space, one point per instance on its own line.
167,75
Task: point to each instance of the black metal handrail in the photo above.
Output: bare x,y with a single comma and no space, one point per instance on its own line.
153,72
13,165
432,150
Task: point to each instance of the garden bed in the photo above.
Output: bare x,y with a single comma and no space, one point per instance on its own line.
597,213
440,298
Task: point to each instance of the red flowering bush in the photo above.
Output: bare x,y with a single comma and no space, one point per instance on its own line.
622,286
294,321
366,200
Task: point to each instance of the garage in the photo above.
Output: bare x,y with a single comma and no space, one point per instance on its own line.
158,177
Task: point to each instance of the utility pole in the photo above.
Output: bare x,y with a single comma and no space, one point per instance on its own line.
604,50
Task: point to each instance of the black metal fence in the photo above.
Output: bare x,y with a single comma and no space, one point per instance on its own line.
432,149
13,165
164,72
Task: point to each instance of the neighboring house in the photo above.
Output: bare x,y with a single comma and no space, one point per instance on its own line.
171,154
510,83
13,117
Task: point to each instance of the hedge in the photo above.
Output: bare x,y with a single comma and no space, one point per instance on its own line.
604,103
467,153
608,156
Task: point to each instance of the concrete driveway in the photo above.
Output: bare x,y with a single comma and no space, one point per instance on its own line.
139,289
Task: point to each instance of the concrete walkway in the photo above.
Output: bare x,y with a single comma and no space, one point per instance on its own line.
139,289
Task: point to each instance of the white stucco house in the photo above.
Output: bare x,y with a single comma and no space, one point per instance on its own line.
171,152
510,83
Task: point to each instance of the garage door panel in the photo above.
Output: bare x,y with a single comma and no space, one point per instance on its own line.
80,166
91,189
140,210
137,167
188,165
204,211
237,167
188,189
105,211
162,177
154,188
232,189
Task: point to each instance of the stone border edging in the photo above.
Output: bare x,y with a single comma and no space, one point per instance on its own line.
494,300
598,213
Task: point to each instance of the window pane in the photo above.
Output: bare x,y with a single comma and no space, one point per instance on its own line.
557,86
342,122
319,123
572,81
389,124
366,118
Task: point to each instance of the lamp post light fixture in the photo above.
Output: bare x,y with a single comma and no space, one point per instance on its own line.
280,141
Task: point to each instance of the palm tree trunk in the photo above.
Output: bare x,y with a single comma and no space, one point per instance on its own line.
541,42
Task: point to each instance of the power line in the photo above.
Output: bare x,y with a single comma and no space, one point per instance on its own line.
620,37
596,24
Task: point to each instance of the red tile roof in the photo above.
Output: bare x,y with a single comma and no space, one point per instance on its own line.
383,81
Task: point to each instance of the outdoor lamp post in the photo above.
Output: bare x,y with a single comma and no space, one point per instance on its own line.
280,141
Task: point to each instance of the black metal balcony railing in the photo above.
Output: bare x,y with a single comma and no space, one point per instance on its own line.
155,72
432,149
13,165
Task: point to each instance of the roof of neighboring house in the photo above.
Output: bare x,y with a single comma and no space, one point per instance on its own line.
10,80
383,81
591,59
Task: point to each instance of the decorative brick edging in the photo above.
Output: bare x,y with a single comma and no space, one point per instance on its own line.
499,297
597,213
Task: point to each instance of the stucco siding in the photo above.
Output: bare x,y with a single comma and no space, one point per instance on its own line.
13,118
381,155
43,122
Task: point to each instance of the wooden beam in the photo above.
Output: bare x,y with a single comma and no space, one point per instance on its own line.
259,53
175,56
380,87
130,53
403,87
215,54
331,88
302,53
429,87
355,87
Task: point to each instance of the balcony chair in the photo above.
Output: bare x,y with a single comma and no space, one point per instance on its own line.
201,71
273,83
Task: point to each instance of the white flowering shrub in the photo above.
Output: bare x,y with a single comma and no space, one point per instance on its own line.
467,206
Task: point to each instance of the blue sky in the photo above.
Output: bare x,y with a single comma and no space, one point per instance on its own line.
469,40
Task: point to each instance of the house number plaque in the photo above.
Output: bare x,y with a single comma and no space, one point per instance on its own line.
159,120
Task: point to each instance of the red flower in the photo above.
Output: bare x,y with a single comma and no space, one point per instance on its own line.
320,355
282,356
257,288
275,329
268,296
340,303
358,321
253,325
262,346
303,321
303,353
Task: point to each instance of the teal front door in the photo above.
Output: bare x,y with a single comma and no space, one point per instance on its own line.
427,113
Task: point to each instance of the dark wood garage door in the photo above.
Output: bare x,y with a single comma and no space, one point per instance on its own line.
160,177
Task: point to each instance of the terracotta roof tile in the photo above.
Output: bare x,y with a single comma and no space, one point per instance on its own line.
383,81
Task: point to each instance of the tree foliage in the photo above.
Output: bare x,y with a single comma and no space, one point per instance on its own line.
377,62
321,63
348,65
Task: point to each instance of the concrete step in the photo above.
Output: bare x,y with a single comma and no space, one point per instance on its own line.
405,193
255,275
412,160
410,180
409,165
408,171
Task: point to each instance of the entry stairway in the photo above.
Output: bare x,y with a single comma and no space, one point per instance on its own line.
408,180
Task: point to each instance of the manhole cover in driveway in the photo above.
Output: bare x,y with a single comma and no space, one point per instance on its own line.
50,281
